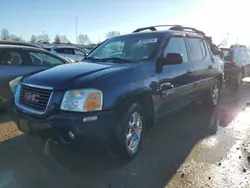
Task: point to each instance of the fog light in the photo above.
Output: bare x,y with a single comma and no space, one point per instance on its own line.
91,118
71,135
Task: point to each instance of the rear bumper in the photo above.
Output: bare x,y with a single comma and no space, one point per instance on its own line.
60,126
231,73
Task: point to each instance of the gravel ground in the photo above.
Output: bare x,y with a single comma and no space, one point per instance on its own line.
7,128
194,147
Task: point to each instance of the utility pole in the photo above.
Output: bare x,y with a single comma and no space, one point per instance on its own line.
76,28
227,39
43,36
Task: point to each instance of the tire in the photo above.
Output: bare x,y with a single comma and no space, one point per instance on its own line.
130,130
234,84
3,105
213,97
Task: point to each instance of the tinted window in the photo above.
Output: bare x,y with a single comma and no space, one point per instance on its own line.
203,49
196,49
237,54
48,49
176,45
65,51
11,58
245,54
43,59
78,52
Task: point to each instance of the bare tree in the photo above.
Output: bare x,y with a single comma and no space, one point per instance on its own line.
57,39
5,34
83,39
112,34
15,38
64,39
33,39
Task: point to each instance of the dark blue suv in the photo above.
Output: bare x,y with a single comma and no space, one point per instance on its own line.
120,89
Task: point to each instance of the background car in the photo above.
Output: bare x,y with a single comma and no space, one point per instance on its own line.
19,43
237,65
70,52
19,60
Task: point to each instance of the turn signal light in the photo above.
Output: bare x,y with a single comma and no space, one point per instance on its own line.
93,102
233,62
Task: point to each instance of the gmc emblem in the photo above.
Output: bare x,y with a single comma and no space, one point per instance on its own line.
31,97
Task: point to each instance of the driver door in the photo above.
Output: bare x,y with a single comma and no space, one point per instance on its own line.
175,82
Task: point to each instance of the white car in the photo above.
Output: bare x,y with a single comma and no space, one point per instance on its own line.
69,53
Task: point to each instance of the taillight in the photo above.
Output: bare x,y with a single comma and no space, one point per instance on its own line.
233,62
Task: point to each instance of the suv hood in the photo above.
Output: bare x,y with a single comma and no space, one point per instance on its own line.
73,75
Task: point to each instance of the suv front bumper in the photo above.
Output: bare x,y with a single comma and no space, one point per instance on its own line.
98,125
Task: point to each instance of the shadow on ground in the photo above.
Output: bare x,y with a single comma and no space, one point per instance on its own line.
4,118
165,148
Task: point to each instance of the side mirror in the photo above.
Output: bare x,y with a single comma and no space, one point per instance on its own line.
172,59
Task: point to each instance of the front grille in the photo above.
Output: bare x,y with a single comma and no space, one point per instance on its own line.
34,98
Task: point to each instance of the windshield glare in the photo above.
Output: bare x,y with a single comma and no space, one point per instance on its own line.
133,48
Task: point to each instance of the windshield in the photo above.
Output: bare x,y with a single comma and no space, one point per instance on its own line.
131,48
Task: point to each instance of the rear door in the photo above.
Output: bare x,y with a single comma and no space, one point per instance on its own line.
175,82
203,64
18,62
11,66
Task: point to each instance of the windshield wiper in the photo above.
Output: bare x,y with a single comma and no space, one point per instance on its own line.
92,59
116,59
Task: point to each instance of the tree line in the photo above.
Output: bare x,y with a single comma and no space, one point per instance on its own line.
58,39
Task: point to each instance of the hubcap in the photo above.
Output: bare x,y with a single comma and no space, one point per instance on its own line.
215,94
134,132
239,78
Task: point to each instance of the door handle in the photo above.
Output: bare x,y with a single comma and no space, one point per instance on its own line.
210,66
189,71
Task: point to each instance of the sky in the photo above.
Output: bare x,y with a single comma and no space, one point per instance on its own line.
96,17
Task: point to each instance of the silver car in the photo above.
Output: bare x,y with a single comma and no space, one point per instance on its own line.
68,52
19,60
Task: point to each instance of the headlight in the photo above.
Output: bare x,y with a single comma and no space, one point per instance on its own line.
82,100
14,83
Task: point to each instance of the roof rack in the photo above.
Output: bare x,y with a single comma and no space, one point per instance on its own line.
172,27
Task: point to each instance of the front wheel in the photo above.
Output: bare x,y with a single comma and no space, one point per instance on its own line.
130,131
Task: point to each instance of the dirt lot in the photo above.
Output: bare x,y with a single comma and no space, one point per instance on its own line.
192,148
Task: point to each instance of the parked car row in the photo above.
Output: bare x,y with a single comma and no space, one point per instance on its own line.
120,89
237,64
70,53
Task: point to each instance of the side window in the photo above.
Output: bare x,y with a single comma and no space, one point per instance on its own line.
11,58
69,51
245,55
196,49
237,55
80,53
42,59
203,49
177,45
